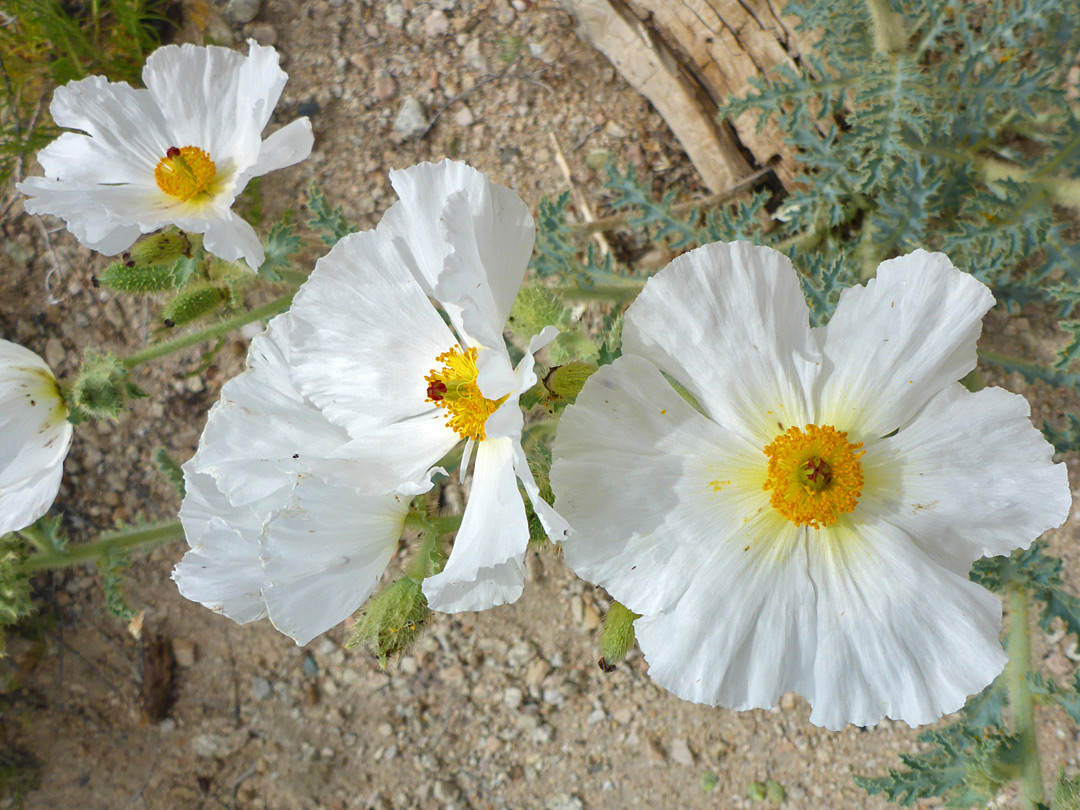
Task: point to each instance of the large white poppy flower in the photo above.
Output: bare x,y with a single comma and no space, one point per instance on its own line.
275,526
812,526
34,437
373,353
177,153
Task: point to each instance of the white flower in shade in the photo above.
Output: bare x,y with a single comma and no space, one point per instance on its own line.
811,527
375,355
177,153
275,526
34,437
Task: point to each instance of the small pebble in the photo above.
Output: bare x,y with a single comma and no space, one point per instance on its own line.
242,11
436,24
411,119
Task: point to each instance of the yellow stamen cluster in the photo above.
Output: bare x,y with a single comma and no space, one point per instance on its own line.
185,172
454,388
815,475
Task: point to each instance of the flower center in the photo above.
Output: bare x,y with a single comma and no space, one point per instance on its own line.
454,388
185,172
815,475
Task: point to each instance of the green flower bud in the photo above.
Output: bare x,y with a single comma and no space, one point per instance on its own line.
136,279
565,382
189,305
159,249
617,635
391,620
102,388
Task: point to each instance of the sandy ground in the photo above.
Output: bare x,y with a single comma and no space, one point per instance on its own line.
504,709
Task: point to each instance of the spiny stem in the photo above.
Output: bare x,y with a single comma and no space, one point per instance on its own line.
1018,674
618,220
36,537
211,332
108,542
889,34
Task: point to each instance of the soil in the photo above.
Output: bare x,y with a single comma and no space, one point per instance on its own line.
501,709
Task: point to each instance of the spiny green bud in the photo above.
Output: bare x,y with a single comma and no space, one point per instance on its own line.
136,279
1066,793
158,249
191,304
565,382
391,620
102,387
536,307
617,635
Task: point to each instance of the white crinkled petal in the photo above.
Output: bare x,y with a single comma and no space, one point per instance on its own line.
649,485
468,239
231,238
398,457
323,554
742,632
123,120
365,336
216,98
486,566
34,437
893,344
968,477
223,569
285,147
898,635
272,514
729,322
262,434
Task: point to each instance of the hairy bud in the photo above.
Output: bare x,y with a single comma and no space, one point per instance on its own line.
136,279
160,249
191,304
102,388
564,382
391,620
618,633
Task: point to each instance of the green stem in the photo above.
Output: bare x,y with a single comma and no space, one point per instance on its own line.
431,529
211,332
602,292
36,537
1018,673
889,34
111,541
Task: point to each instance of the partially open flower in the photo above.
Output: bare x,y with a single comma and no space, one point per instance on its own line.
371,350
34,437
810,525
176,153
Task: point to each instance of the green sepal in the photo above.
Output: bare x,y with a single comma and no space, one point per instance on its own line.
391,620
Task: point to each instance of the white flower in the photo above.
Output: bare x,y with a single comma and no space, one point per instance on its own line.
275,527
373,353
177,153
34,437
812,526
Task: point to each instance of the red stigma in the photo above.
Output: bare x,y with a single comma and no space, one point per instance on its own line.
173,151
817,471
436,390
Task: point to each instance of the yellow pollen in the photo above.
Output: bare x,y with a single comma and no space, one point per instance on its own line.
815,475
454,388
185,172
